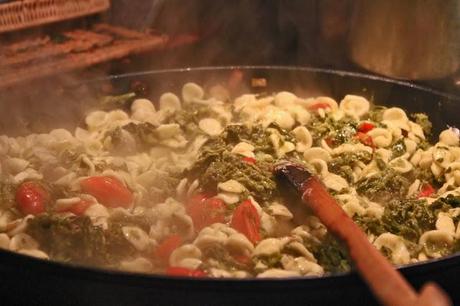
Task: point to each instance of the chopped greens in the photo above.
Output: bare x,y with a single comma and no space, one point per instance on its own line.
332,255
337,132
257,178
77,240
120,101
422,120
384,186
398,148
344,163
408,218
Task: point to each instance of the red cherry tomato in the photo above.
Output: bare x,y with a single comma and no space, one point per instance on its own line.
249,160
365,127
167,246
78,208
108,191
426,191
246,220
320,105
330,141
32,198
205,211
365,139
179,271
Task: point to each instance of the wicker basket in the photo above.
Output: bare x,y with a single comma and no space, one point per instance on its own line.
28,13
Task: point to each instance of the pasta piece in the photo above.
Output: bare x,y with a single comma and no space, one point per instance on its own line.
14,165
170,102
445,223
228,197
243,101
281,117
269,246
335,182
34,253
210,126
416,129
300,114
238,244
381,137
137,237
397,117
192,92
303,137
142,104
139,264
166,131
399,253
331,103
280,211
413,188
275,273
401,165
449,138
301,265
22,241
316,153
436,243
185,252
245,149
281,147
4,241
354,106
96,120
231,186
285,99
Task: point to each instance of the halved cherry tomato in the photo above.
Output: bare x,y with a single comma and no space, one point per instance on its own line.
320,105
179,271
246,220
249,160
365,127
330,141
426,191
365,139
205,211
108,191
167,246
32,198
78,208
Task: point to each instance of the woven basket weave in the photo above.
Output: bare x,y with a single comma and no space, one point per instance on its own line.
28,13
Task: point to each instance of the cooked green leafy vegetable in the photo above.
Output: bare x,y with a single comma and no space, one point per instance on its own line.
331,255
422,120
337,132
398,148
7,193
77,240
343,164
408,218
120,101
384,186
257,178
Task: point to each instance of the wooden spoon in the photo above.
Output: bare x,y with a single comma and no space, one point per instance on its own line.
387,284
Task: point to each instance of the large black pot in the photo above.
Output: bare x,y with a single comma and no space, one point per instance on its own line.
28,281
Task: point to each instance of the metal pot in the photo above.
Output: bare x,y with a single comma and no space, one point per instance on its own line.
411,39
29,281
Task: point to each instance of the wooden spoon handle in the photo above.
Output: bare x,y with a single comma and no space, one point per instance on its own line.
386,283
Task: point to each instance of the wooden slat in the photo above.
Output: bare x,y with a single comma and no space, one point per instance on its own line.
23,14
61,59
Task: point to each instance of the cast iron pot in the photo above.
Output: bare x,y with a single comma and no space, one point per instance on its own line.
29,281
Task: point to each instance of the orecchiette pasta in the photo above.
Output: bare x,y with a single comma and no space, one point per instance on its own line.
187,185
